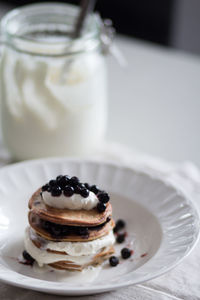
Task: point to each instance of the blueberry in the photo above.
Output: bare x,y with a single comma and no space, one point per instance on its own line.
83,231
56,191
64,230
27,257
120,224
56,230
101,207
59,177
94,189
82,185
103,197
46,225
125,253
120,238
84,193
62,181
108,219
87,186
78,188
74,181
113,260
68,191
115,229
52,182
45,187
49,189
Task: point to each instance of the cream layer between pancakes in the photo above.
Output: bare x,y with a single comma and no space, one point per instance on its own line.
79,253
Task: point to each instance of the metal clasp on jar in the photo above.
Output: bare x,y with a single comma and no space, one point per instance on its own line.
107,35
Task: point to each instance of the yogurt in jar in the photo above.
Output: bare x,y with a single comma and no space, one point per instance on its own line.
48,113
51,105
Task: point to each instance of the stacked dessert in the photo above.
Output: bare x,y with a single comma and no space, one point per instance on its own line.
70,225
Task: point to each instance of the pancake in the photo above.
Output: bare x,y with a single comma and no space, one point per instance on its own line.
93,233
97,260
66,216
55,225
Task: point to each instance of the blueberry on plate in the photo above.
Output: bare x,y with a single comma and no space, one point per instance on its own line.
103,197
101,207
30,260
115,229
120,224
125,253
113,260
56,191
120,238
68,191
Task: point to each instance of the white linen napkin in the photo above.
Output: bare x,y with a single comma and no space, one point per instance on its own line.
183,282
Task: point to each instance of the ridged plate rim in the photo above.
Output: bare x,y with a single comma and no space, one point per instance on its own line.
13,278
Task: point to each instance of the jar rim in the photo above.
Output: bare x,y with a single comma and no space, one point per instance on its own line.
23,43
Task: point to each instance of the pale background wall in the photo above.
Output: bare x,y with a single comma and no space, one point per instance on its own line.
185,27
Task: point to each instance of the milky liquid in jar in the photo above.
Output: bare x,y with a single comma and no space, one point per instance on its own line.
53,88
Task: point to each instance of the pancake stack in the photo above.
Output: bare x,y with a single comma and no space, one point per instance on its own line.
69,239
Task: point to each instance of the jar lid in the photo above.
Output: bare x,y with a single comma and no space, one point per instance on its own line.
45,29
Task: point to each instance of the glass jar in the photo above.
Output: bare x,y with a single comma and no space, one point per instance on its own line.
53,88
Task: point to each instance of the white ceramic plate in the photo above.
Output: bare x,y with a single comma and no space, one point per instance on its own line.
161,222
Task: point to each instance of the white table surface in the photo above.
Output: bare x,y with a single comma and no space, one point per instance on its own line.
155,101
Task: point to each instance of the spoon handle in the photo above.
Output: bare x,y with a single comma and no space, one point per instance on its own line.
86,7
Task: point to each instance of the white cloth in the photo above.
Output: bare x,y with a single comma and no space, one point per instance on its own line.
183,282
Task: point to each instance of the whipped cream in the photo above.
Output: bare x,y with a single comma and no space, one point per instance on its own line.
75,202
44,257
75,248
